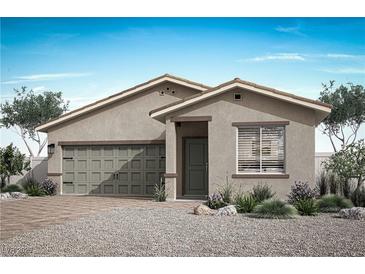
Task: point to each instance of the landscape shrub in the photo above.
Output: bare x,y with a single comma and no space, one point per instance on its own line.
244,203
358,197
274,209
226,191
49,187
333,203
12,188
262,192
299,191
215,201
322,184
33,188
159,194
307,207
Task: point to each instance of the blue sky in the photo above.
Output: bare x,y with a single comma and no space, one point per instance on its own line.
90,58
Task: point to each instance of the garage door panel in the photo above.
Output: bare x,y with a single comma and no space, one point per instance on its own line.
95,177
123,189
136,189
108,164
108,189
69,165
114,169
81,188
123,164
136,164
95,189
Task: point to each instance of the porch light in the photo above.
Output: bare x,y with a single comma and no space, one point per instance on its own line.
51,148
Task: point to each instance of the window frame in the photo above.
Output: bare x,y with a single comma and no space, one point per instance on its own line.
260,126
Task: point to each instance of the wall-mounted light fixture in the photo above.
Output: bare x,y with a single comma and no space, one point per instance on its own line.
51,148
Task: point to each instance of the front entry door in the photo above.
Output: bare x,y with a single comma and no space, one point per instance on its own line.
196,166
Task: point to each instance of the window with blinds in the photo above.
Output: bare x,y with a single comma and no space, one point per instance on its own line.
261,149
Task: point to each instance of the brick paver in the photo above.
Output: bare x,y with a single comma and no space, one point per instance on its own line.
18,216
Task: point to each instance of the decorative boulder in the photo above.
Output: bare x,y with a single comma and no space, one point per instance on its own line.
227,211
203,210
4,196
355,213
18,195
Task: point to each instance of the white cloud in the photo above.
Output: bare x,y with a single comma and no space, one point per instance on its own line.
345,70
278,57
341,56
39,89
292,30
45,77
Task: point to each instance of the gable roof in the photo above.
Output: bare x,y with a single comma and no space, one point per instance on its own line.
119,96
238,83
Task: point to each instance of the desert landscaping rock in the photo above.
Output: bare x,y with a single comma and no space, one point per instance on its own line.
227,211
203,210
18,195
13,195
356,213
5,196
178,232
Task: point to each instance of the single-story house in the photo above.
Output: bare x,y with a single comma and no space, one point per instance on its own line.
193,136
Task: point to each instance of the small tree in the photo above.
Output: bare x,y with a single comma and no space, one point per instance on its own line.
28,110
347,115
12,162
349,163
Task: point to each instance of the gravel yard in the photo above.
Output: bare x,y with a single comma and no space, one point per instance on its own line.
177,232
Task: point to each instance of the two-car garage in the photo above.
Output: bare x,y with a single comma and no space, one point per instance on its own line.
125,169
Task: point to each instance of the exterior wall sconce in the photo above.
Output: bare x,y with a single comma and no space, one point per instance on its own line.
51,148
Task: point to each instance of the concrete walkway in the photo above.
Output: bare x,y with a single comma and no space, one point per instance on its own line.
18,216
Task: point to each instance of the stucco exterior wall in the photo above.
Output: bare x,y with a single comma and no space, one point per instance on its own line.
299,145
124,120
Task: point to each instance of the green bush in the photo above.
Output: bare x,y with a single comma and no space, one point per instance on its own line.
226,192
12,188
33,188
261,193
159,194
274,209
358,197
244,203
333,203
307,207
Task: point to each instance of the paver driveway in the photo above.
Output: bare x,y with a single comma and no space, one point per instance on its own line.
19,216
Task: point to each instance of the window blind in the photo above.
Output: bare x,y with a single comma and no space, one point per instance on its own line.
261,149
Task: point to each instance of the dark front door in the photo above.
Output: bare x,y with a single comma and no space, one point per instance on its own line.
196,166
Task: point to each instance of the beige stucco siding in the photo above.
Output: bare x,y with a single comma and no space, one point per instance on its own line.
124,120
255,108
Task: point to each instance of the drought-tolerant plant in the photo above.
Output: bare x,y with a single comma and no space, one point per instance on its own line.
299,191
33,188
244,203
159,194
333,203
226,191
262,192
322,184
49,187
12,188
307,207
215,201
358,197
333,183
274,209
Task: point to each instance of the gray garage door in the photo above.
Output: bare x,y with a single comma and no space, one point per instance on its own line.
114,169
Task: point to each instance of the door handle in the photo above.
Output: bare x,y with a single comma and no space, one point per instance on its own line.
206,167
